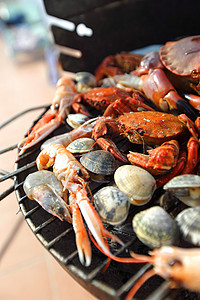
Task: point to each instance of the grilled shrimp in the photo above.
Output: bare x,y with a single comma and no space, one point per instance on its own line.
60,108
73,177
47,190
178,265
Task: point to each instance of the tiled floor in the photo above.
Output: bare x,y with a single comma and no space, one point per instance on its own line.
27,270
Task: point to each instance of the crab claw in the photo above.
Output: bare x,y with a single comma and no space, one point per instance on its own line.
160,160
161,92
194,100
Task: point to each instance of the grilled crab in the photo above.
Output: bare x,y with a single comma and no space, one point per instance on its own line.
117,64
100,98
155,129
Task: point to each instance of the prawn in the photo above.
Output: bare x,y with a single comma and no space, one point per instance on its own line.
178,265
52,119
47,190
74,177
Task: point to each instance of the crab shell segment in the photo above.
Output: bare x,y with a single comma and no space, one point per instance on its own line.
186,51
152,128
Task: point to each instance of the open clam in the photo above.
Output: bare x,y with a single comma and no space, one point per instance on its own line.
154,227
85,81
137,183
99,162
186,188
112,205
75,120
81,145
189,223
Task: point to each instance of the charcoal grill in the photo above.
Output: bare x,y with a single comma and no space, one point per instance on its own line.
112,24
58,238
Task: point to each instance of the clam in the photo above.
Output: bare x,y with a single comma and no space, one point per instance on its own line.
75,120
85,81
112,205
154,227
99,162
137,183
189,223
186,188
81,145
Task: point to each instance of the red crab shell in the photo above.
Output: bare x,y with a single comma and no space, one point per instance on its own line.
182,58
152,128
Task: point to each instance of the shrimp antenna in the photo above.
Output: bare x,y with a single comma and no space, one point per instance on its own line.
139,283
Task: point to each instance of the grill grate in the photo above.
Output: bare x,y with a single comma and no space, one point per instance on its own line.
58,238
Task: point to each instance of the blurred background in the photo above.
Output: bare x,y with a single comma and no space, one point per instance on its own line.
28,71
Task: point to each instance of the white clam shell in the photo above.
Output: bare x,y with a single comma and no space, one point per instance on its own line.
137,183
186,188
75,120
81,145
112,205
189,223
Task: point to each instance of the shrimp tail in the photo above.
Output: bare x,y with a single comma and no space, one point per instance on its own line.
82,240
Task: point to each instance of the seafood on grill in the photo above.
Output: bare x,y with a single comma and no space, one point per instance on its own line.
85,81
101,165
154,128
100,98
117,64
99,162
75,120
188,221
74,178
112,205
44,187
186,188
52,119
155,228
84,130
184,75
160,75
81,145
137,183
177,265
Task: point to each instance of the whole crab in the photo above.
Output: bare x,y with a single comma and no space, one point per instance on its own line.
161,130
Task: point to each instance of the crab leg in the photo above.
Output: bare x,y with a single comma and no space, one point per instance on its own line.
173,172
159,160
122,106
192,156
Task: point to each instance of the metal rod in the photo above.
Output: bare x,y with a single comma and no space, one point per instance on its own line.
21,114
7,192
8,149
10,175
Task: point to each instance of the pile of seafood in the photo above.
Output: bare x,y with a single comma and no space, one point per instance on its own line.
135,126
